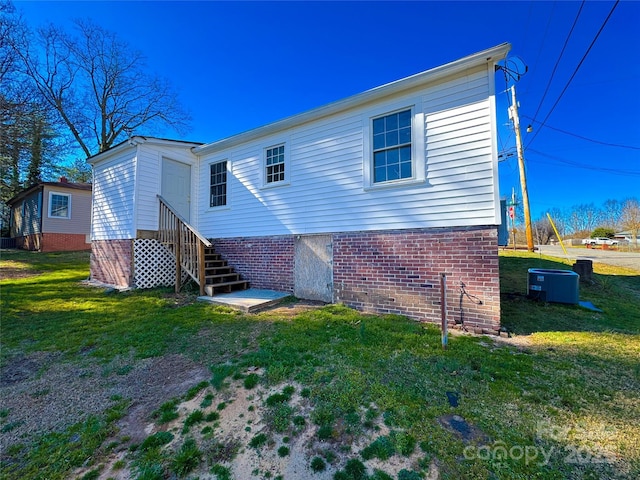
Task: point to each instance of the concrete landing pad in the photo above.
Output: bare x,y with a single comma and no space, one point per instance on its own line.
248,301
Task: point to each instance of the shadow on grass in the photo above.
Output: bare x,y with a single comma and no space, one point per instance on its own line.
618,296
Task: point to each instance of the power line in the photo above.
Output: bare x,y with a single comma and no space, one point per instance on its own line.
542,124
544,37
608,144
555,67
613,171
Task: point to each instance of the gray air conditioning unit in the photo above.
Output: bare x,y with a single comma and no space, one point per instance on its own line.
557,286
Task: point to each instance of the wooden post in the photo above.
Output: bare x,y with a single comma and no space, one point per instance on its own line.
201,266
178,265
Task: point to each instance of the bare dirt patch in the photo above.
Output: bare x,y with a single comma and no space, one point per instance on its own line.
153,383
230,440
24,367
291,310
41,395
180,299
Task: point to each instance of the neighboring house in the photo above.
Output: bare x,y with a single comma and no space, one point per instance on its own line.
52,216
365,201
627,236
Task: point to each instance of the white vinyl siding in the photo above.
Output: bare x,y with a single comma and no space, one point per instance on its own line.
328,176
113,198
327,167
148,174
148,177
127,184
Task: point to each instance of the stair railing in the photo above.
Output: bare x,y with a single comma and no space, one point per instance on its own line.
184,242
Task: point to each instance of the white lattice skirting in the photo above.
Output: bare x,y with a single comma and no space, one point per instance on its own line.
153,264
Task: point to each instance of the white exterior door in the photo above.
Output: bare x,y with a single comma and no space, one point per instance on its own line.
176,186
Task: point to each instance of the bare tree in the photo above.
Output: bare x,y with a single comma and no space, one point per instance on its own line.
611,212
543,230
25,129
10,25
584,218
630,217
559,218
98,85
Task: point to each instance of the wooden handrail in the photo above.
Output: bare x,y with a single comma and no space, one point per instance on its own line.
184,242
206,242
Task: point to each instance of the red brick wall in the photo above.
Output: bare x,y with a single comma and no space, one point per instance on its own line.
58,242
53,242
399,272
267,262
391,272
112,262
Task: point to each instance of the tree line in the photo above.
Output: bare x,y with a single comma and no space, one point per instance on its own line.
67,95
581,221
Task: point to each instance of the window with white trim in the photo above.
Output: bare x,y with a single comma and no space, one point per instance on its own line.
59,205
218,184
392,148
274,165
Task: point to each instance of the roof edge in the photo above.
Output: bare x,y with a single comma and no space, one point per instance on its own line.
494,54
139,140
40,185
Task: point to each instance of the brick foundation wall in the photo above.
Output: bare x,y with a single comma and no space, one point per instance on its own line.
267,262
53,242
399,272
112,262
391,271
59,242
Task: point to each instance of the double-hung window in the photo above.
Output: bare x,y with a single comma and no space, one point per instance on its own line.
392,149
218,184
274,165
59,205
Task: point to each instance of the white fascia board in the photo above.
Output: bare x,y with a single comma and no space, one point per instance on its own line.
133,142
492,55
112,152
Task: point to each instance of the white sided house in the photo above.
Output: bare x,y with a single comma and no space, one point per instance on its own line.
365,201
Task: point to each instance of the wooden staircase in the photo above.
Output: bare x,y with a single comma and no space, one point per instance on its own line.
220,277
195,255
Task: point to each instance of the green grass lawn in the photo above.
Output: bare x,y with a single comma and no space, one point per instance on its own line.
560,399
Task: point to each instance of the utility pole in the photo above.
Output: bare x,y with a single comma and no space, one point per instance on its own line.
513,114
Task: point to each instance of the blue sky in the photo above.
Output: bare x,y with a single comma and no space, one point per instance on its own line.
239,65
